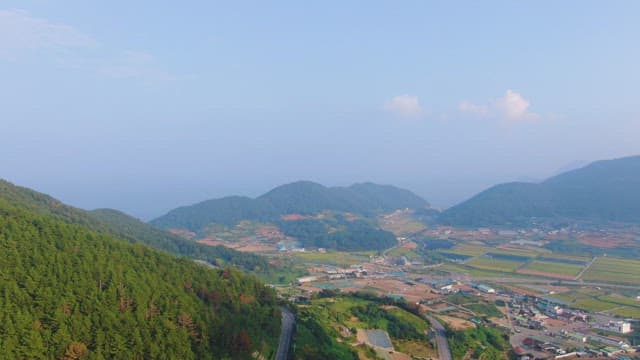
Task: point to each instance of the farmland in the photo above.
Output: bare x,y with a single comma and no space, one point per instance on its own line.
613,270
469,250
487,263
337,258
552,269
596,300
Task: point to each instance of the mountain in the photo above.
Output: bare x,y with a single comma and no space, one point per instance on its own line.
302,197
601,192
70,292
134,230
123,226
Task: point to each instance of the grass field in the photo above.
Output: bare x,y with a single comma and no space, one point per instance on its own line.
402,251
554,268
606,269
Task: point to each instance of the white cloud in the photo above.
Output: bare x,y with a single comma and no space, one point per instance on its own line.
20,32
404,105
512,107
468,107
23,35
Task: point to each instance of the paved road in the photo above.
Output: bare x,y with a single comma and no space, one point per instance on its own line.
444,353
286,332
585,268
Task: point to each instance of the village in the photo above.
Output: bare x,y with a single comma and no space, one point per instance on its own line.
539,327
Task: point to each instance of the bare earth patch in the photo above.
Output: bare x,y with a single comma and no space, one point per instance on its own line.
456,323
607,241
256,248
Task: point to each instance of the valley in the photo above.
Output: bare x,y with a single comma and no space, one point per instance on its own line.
458,275
359,272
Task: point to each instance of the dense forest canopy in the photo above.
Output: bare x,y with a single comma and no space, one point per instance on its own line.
337,233
69,292
123,226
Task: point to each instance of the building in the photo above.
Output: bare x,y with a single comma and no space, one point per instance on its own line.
623,327
620,327
307,279
486,289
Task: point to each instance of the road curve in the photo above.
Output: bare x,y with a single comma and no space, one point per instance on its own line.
286,332
444,353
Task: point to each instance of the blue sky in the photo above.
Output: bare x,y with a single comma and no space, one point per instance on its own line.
144,106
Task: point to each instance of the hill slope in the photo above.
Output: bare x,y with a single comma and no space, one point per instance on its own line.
604,191
126,227
302,197
70,292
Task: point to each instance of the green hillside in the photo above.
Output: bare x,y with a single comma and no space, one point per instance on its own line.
67,292
130,228
604,191
126,227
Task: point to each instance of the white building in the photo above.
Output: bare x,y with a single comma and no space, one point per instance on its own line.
621,327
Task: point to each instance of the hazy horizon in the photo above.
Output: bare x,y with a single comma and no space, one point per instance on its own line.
144,107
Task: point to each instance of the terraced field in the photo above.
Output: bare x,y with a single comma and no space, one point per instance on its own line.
614,270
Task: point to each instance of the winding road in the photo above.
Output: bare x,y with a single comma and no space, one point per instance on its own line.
444,353
286,332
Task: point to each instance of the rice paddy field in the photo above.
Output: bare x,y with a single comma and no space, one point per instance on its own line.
500,265
336,258
614,270
562,270
469,250
481,260
596,300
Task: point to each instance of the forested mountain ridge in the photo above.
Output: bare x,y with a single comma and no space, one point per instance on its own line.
302,197
128,227
121,225
68,292
603,191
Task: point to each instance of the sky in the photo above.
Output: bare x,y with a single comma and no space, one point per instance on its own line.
144,106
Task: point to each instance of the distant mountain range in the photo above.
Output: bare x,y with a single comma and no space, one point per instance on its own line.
302,197
304,201
601,192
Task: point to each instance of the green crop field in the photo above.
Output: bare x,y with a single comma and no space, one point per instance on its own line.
469,250
591,299
567,258
509,252
554,268
614,270
486,263
337,258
